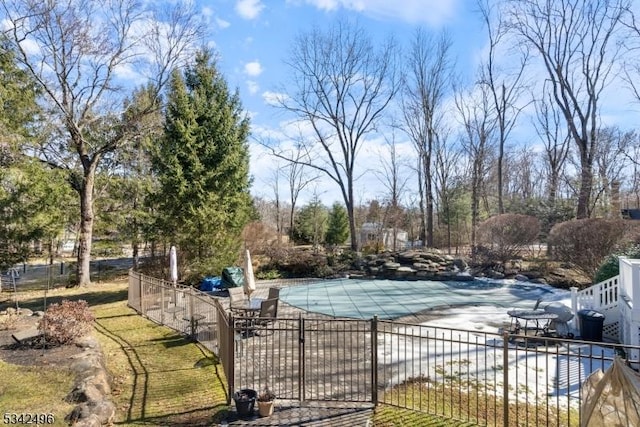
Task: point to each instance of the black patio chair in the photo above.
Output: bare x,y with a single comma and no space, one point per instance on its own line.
273,293
266,318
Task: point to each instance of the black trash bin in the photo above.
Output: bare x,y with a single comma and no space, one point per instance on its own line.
245,400
591,323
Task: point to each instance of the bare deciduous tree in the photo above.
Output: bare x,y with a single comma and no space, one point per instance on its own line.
478,125
447,157
426,83
298,179
341,85
611,160
505,85
76,51
576,41
394,183
556,143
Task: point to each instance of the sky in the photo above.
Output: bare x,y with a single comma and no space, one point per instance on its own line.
253,39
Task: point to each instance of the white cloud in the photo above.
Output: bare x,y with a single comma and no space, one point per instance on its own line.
249,9
253,69
222,24
253,87
273,98
431,12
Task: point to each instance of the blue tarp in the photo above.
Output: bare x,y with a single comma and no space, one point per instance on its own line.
211,283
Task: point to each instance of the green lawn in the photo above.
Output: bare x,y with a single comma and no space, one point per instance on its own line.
159,377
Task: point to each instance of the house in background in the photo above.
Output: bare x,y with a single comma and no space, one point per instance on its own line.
631,214
372,233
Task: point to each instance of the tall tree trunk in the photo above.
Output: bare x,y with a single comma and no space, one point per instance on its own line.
352,217
475,203
428,191
83,267
421,193
586,184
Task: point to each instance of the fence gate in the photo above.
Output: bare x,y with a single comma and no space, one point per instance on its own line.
337,360
306,359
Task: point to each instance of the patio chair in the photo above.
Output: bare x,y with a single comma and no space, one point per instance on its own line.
274,293
268,315
235,295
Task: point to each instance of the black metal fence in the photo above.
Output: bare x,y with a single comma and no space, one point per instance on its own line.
473,376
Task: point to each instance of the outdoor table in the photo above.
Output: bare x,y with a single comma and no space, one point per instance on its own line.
173,310
541,318
248,307
247,311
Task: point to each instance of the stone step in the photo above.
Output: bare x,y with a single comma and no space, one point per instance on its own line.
26,335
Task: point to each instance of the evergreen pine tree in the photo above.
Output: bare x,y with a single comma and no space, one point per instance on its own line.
338,227
202,163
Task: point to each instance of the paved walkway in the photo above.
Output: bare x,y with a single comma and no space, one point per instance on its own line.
294,413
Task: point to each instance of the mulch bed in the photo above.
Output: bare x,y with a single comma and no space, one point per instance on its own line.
33,352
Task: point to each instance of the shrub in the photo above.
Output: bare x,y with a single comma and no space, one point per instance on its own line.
505,235
8,321
62,323
586,242
610,267
259,237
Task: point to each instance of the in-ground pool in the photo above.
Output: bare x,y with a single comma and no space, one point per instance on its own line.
390,299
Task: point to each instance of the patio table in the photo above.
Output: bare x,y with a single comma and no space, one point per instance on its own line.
248,307
541,318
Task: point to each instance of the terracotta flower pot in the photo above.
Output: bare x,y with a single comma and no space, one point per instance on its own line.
265,409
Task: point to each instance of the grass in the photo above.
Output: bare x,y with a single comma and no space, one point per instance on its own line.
389,416
451,404
159,377
35,391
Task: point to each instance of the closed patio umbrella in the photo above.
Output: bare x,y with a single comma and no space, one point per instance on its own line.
249,280
173,265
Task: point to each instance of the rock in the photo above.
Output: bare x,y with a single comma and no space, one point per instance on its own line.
105,410
446,275
531,274
460,264
25,312
92,387
91,421
421,266
539,280
391,265
492,274
83,393
92,414
404,272
79,412
87,341
425,275
38,313
521,278
433,257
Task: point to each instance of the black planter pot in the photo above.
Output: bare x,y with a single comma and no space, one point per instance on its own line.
245,400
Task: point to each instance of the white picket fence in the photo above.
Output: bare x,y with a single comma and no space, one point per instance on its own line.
618,298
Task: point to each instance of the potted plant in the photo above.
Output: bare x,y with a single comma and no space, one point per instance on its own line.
266,400
245,400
